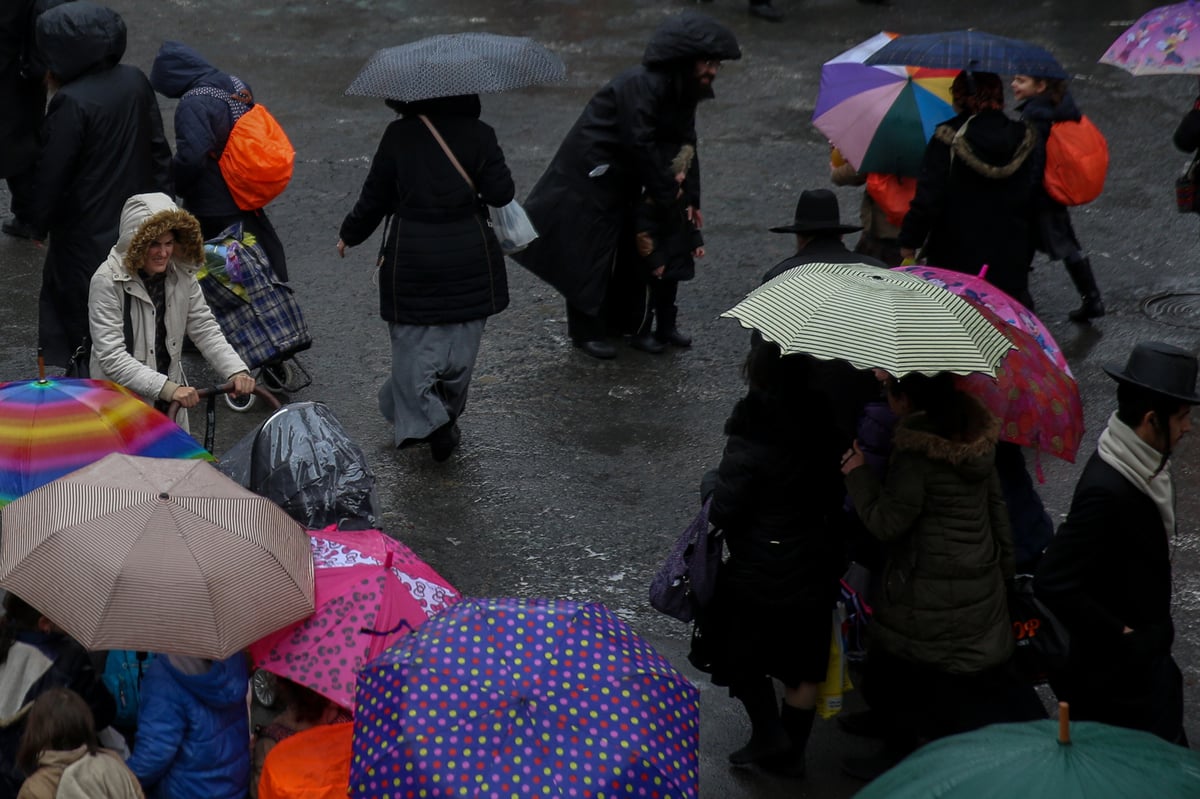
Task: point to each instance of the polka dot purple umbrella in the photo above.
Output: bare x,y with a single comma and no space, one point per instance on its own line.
515,697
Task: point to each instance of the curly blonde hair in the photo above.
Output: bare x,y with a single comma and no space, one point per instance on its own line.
189,241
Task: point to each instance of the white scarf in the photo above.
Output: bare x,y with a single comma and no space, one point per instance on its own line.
1124,450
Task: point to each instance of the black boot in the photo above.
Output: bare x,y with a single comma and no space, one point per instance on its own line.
797,723
1085,282
767,735
667,332
644,339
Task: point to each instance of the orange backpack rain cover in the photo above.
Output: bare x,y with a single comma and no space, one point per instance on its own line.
892,194
258,159
1076,162
313,764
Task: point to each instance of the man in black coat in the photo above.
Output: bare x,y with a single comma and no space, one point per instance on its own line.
582,207
819,230
1107,573
102,142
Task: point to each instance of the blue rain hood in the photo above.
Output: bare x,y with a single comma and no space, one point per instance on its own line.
178,68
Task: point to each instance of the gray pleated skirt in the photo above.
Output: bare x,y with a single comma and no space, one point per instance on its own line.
431,371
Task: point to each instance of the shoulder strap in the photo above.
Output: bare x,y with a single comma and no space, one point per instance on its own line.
447,151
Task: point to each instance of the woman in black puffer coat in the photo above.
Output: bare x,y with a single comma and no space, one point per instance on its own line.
778,498
442,272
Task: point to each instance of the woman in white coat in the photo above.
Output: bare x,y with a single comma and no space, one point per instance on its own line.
145,298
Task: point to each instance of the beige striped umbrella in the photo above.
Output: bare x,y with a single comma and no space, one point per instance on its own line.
159,555
874,318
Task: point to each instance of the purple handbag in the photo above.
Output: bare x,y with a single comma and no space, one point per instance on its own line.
685,581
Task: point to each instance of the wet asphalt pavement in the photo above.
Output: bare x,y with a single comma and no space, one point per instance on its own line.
574,475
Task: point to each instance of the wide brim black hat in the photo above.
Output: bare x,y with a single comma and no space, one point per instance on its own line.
1162,369
817,212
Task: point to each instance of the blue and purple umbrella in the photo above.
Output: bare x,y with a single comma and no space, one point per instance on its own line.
524,697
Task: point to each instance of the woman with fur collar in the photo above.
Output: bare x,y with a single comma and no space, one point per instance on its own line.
941,636
152,268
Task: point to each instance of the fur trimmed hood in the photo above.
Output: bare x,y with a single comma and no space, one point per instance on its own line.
915,434
144,218
989,143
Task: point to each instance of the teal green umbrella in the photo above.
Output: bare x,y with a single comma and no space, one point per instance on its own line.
1037,759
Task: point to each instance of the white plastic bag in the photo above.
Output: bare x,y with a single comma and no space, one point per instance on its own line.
512,227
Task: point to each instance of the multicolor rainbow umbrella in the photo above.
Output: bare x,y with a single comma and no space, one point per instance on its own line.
370,591
53,426
881,117
516,698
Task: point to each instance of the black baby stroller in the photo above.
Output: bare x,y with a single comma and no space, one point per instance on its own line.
257,313
301,459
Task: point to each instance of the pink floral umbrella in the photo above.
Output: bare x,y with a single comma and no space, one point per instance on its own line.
371,591
975,289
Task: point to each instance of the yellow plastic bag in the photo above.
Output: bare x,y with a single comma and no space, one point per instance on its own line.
837,679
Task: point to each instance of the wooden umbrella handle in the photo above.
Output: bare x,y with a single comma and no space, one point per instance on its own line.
1064,723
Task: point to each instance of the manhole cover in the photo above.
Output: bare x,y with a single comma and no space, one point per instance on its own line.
1178,308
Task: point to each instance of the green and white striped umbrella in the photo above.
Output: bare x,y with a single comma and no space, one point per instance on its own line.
874,318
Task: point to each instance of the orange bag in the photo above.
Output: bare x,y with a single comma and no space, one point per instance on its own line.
1076,162
892,194
314,764
258,159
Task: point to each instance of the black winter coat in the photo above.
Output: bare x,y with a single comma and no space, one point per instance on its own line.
202,126
1052,221
102,142
1108,568
583,205
1187,135
21,96
822,250
442,263
974,208
778,498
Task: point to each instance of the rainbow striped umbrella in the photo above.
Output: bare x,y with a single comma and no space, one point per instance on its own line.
880,117
53,426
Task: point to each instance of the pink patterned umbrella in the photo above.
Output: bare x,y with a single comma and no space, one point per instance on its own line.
976,290
1037,403
371,591
1165,41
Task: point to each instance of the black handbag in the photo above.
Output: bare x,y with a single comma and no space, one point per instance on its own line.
1186,191
79,365
1042,642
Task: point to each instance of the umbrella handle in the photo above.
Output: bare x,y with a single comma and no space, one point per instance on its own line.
403,623
1064,724
227,388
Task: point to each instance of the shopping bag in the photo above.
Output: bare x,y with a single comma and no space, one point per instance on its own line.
837,680
1042,643
512,227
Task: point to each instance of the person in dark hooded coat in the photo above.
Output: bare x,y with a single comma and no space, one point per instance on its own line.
102,142
441,270
208,108
976,187
583,205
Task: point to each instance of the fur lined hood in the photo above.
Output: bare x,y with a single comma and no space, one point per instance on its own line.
989,143
144,218
915,434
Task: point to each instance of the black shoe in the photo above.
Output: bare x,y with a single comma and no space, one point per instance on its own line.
21,230
674,336
598,348
648,343
761,748
865,723
444,440
872,766
797,723
1092,308
766,11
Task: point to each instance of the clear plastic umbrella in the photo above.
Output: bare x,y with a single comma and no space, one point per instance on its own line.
457,63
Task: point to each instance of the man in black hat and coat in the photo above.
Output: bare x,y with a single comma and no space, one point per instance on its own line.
1107,573
583,206
819,230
